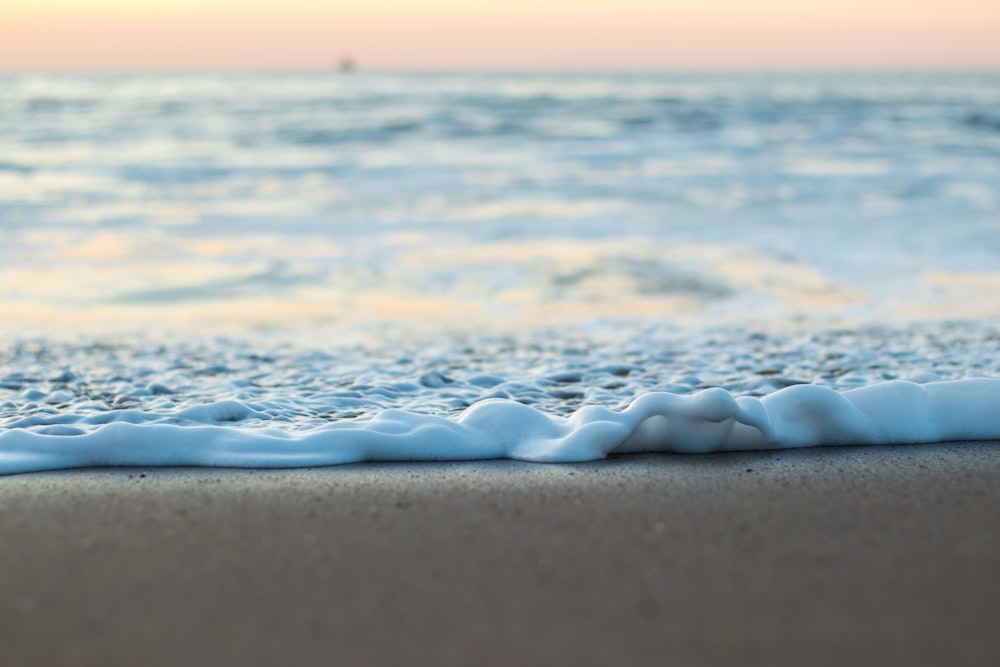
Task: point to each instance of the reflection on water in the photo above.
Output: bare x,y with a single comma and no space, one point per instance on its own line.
262,283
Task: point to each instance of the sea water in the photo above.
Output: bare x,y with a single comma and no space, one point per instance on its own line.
286,269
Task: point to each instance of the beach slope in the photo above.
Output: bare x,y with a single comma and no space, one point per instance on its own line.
880,555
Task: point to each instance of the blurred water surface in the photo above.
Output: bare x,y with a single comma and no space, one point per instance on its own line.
247,202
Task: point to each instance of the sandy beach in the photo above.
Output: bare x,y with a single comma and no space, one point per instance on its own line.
879,555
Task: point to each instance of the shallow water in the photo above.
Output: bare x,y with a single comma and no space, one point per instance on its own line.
307,250
239,202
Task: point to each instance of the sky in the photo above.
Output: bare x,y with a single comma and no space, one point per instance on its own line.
500,34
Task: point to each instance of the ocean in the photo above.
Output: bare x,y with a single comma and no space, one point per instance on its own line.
289,269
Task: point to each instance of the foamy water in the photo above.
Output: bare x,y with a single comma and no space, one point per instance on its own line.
306,269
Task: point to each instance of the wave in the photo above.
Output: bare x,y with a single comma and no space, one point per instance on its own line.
712,420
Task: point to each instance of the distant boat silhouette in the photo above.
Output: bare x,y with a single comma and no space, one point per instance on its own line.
347,65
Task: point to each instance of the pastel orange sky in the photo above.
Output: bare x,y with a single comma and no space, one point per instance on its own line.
500,35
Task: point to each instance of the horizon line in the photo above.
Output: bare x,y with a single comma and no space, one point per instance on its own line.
335,68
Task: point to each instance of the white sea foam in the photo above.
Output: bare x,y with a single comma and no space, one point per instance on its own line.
540,397
548,267
711,420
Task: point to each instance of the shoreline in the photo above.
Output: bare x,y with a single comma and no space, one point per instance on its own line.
825,555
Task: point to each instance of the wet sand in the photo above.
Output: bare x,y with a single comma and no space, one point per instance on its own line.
879,555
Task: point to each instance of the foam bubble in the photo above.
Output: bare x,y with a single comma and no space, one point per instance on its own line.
708,421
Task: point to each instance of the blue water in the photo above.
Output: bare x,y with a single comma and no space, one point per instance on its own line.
503,197
290,251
